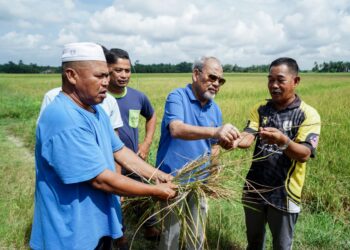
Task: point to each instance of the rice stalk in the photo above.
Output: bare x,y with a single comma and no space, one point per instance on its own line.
202,179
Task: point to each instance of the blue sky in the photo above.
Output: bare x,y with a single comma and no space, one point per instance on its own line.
242,32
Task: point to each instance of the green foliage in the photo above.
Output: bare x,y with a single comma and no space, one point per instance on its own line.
12,67
183,67
332,67
324,222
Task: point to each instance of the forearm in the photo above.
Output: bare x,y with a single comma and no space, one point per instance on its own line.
184,131
130,161
118,168
112,182
150,128
246,140
297,151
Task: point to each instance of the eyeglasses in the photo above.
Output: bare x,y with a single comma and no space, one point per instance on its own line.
214,78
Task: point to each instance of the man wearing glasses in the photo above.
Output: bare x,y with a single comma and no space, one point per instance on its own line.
191,128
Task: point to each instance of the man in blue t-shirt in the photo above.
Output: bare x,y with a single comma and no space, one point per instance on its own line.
76,206
132,103
192,127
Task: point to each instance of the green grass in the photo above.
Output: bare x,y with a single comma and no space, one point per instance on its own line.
16,196
325,220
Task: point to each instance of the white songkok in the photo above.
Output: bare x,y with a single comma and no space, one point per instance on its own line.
82,52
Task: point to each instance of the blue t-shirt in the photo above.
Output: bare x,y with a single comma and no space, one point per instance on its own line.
131,105
72,147
182,105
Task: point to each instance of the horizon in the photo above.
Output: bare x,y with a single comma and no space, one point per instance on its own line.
245,32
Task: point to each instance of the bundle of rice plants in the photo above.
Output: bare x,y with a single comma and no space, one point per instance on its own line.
199,179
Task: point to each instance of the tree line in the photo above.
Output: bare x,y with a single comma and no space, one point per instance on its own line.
12,67
331,67
183,67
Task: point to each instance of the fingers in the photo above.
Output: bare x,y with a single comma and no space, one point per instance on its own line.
163,177
226,145
228,133
271,135
172,185
171,194
269,130
167,191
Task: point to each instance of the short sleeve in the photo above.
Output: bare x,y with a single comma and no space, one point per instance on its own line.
218,123
219,118
146,109
74,155
110,106
253,121
48,98
173,108
117,143
309,131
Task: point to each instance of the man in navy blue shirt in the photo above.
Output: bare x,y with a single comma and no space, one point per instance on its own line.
132,103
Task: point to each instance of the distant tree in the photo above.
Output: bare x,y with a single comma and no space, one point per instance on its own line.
227,67
12,67
331,66
182,67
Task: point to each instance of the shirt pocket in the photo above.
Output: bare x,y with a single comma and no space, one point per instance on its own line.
134,118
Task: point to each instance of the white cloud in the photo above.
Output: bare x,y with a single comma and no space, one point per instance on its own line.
245,32
66,36
69,4
21,41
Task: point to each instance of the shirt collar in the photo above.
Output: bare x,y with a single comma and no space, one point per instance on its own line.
118,96
193,98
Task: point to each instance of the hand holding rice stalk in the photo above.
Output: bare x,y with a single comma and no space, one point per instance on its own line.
197,180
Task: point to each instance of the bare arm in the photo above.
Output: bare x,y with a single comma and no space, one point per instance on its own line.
227,132
246,140
150,127
294,150
115,183
130,161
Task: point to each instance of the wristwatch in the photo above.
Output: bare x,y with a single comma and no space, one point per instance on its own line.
285,146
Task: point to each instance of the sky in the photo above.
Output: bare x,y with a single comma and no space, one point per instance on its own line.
242,32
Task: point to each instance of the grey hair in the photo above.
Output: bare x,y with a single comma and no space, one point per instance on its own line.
199,63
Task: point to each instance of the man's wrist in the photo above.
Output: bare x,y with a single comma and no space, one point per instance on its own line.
285,145
215,133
